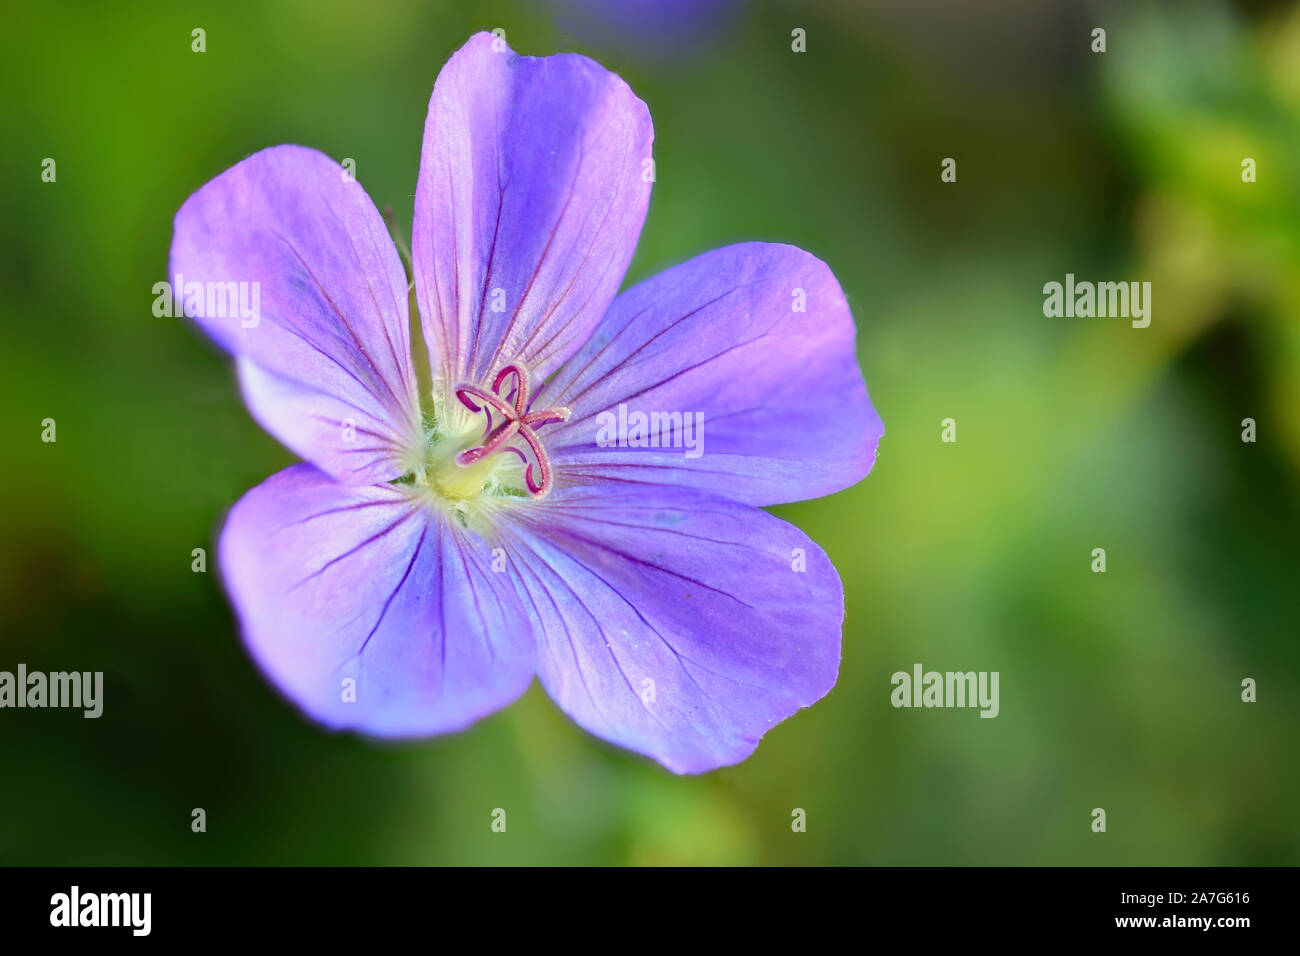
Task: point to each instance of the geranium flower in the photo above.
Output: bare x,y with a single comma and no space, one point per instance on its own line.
444,544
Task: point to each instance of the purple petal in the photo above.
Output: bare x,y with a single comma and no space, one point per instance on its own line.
325,362
676,623
784,411
529,205
335,583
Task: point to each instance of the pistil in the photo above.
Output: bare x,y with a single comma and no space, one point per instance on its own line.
517,422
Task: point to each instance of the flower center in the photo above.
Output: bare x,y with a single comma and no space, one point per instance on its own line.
517,422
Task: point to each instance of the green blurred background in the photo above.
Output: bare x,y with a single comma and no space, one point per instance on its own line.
1118,690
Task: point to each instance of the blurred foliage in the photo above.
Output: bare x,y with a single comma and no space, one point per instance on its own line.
1118,690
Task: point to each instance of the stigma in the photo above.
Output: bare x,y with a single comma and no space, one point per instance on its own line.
518,424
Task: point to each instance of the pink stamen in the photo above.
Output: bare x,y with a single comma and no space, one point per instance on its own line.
518,421
464,392
503,433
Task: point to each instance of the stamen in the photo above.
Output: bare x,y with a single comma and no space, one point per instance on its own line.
518,421
467,392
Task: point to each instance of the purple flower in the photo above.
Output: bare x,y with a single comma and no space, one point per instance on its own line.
645,28
444,544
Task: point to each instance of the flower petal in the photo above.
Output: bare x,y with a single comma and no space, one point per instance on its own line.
325,362
530,201
337,582
784,411
676,623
